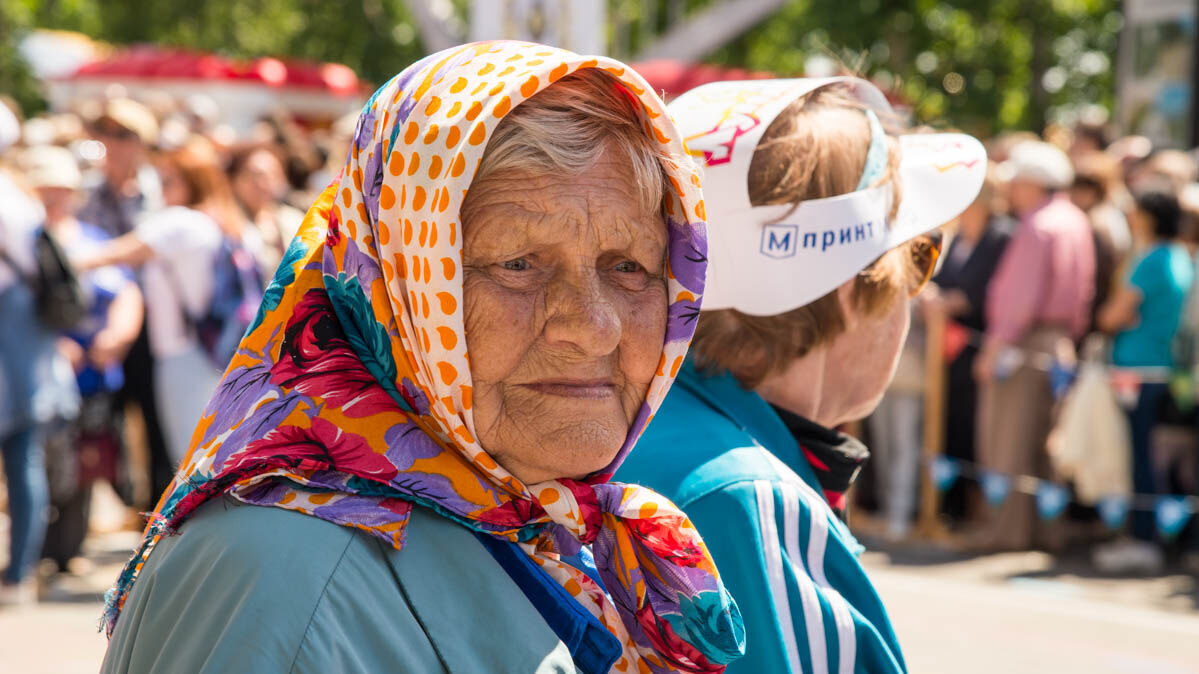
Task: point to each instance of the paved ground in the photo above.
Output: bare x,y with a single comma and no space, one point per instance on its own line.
1027,612
60,635
1014,613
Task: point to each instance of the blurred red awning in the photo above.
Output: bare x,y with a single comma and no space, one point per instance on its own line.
149,61
676,77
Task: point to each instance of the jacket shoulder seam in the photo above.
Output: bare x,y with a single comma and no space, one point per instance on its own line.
319,600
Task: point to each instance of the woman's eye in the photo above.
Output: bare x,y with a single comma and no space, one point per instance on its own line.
628,267
519,264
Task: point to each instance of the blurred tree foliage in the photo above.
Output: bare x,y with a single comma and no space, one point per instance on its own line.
986,65
16,80
374,37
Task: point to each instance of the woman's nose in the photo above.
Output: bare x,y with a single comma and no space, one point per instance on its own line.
581,314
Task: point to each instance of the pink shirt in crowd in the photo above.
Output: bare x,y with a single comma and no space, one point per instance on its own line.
1046,276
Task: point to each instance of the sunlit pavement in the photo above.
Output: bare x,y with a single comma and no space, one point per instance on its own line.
60,634
1032,612
1013,613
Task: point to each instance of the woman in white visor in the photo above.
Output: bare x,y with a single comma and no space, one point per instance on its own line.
822,225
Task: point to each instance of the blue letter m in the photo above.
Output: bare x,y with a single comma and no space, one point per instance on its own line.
780,241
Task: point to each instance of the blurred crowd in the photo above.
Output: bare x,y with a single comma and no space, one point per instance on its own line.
1065,317
136,241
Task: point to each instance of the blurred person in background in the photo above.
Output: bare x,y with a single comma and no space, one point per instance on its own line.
129,186
1168,170
300,157
129,189
1131,152
260,186
1188,201
1038,302
178,249
88,445
1087,138
1144,316
36,383
337,144
959,294
1096,181
896,436
1187,357
1000,147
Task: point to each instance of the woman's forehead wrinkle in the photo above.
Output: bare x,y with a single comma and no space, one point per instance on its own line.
597,213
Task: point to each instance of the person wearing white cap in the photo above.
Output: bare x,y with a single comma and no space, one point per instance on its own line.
36,387
128,130
822,224
130,190
1038,302
94,347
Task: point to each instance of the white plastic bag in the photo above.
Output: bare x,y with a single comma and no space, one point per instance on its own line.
1091,443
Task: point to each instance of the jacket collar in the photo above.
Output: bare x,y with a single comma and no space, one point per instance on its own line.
837,458
724,394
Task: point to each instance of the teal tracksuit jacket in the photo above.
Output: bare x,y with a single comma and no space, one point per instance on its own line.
724,456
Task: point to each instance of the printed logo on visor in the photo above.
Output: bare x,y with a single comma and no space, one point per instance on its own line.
780,241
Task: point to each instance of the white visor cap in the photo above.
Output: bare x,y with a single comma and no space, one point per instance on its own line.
767,260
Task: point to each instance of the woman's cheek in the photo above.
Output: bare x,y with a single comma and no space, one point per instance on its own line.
643,332
499,327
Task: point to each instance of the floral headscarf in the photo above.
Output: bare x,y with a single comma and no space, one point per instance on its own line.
349,398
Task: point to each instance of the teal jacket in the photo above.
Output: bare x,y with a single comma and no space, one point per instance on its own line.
298,594
726,458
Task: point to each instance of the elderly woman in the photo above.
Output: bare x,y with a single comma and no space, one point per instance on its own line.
813,257
410,451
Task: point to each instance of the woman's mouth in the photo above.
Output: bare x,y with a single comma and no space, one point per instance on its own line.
588,389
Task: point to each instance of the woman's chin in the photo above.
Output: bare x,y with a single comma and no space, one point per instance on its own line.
565,449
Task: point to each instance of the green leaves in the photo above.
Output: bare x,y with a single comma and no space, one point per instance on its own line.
1001,49
1021,62
362,35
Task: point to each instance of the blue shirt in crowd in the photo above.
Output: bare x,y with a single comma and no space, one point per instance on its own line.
1163,276
102,286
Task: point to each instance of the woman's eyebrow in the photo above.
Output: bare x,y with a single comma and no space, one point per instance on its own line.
643,231
504,198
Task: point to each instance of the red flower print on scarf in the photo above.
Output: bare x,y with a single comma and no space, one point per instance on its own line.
681,655
589,508
665,537
321,446
515,513
317,360
333,234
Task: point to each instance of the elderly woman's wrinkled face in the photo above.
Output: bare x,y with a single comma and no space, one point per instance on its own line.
565,314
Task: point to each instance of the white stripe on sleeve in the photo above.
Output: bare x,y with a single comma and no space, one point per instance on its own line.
768,532
818,514
813,617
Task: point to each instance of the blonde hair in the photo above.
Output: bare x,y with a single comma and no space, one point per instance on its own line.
568,126
815,148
